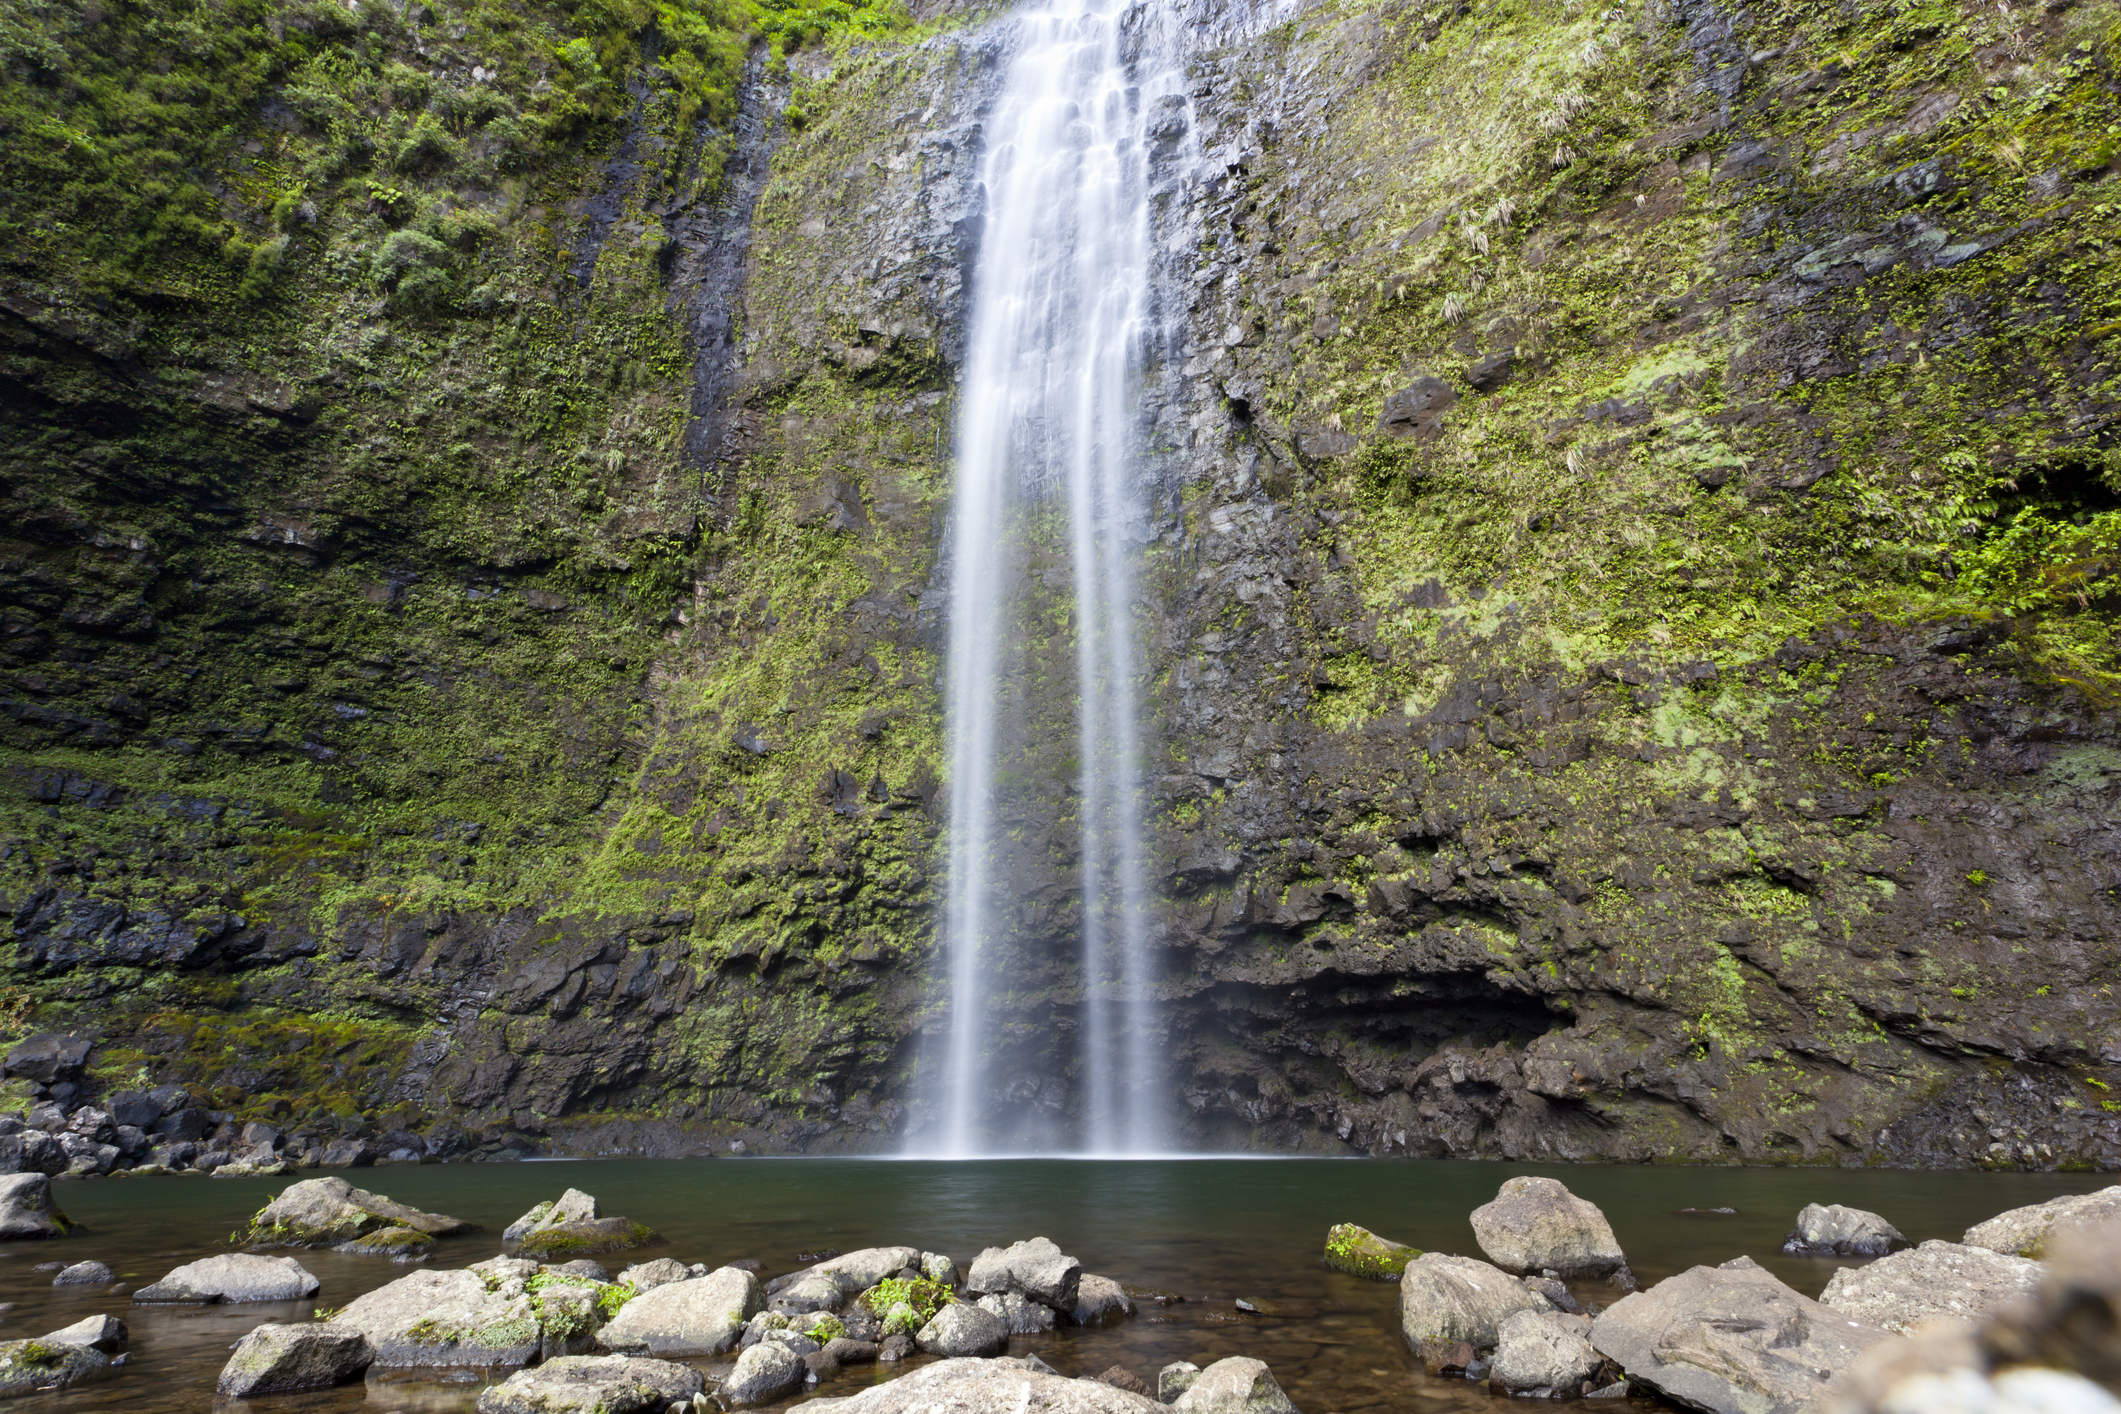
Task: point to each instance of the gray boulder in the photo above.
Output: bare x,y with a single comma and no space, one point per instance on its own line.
1936,1281
85,1274
105,1333
646,1276
1035,1269
856,1272
48,1058
1830,1230
448,1319
276,1359
594,1384
960,1329
324,1212
766,1371
810,1291
232,1277
1731,1340
523,1226
848,1351
27,1366
26,1209
684,1319
2025,1232
1544,1355
1237,1385
1175,1379
1446,1298
1537,1225
1100,1299
1001,1386
1019,1316
32,1151
938,1268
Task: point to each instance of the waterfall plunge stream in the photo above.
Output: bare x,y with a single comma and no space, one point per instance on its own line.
1051,422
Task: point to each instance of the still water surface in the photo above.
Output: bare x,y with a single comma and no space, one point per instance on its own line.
1212,1230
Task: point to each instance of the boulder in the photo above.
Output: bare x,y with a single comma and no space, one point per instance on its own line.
856,1272
32,1151
26,1209
1731,1340
232,1277
766,1371
646,1276
938,1268
1537,1225
106,1333
810,1291
694,1317
572,1228
1035,1269
585,1268
848,1351
1448,1298
1361,1252
448,1319
1936,1281
1100,1299
276,1359
27,1366
1543,1355
1019,1316
85,1274
48,1058
325,1212
1830,1230
522,1227
960,1329
594,1384
1175,1379
1001,1386
1237,1385
400,1244
2025,1232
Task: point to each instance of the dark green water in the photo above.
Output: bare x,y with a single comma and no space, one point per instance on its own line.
1213,1230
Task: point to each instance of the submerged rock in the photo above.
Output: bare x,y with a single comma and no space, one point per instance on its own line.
84,1274
697,1316
1035,1269
400,1244
766,1371
1100,1299
1830,1230
594,1384
1537,1225
1544,1355
276,1359
27,1366
1732,1340
1237,1385
1936,1281
1361,1252
962,1329
2026,1232
232,1277
1450,1298
327,1212
26,1209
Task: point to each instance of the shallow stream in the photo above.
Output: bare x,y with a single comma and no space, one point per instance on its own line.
1212,1230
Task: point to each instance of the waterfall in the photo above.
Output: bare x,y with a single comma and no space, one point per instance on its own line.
1051,426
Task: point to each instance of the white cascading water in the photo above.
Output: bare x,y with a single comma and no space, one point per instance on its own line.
1051,417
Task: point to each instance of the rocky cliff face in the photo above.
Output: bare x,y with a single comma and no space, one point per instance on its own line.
1627,587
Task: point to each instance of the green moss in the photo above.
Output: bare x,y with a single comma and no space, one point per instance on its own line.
1362,1253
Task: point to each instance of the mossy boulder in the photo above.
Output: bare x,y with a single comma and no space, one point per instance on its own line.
329,1212
400,1244
27,1366
1361,1252
571,1227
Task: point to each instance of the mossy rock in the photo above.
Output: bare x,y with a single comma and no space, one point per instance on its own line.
401,1244
563,1241
1362,1253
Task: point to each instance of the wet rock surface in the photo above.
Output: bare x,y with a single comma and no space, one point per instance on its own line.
27,1211
278,1359
1731,1339
1360,1252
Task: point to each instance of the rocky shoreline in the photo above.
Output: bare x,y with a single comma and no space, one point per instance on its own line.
2023,1308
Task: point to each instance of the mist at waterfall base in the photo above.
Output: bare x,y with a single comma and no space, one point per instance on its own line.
1049,454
